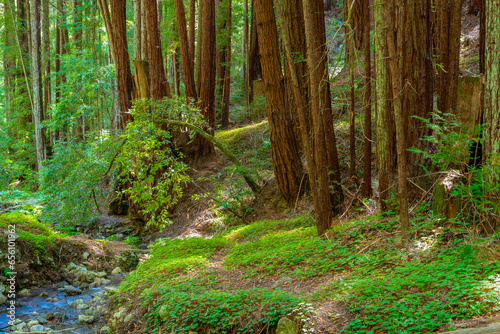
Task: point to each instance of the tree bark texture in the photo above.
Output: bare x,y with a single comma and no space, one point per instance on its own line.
491,130
385,120
366,190
224,61
187,62
319,35
324,205
156,67
192,30
207,80
447,44
118,34
285,151
36,80
137,30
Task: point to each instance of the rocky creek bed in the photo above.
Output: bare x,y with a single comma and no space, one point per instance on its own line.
74,305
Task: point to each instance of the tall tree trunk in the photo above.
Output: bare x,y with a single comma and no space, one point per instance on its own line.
78,21
244,52
285,151
46,62
156,67
319,31
117,33
227,73
293,21
207,80
366,191
144,32
385,127
253,59
325,214
199,47
192,30
349,31
138,30
185,54
447,36
397,87
9,62
491,131
36,77
224,61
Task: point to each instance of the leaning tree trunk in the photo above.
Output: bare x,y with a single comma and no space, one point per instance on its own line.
285,151
491,131
36,80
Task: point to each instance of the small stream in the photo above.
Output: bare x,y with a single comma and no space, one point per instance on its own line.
60,310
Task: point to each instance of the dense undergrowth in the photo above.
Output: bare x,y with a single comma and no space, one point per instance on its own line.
443,274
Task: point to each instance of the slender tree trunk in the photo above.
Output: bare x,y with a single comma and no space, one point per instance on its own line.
9,62
366,191
385,137
156,68
36,78
319,31
491,130
186,56
175,66
349,52
447,36
144,32
207,81
325,214
117,32
244,52
253,60
46,60
224,61
227,73
192,30
285,151
293,21
138,30
397,88
199,47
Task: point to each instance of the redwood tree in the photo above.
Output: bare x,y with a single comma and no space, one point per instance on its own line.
285,150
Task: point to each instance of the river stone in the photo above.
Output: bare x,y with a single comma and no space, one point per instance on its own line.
98,294
85,319
128,318
109,289
82,307
164,314
105,329
92,311
44,295
20,327
41,320
2,288
116,271
50,316
286,326
37,328
85,255
3,299
32,323
84,286
101,274
71,290
55,300
97,281
99,308
24,292
35,314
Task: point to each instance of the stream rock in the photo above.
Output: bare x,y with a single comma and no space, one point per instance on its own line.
127,260
3,299
116,271
37,328
32,323
85,319
71,290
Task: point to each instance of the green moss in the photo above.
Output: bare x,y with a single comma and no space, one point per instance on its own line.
251,144
30,229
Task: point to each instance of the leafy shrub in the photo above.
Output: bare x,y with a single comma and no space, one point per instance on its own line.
70,179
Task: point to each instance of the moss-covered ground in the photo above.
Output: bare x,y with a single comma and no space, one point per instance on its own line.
361,278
